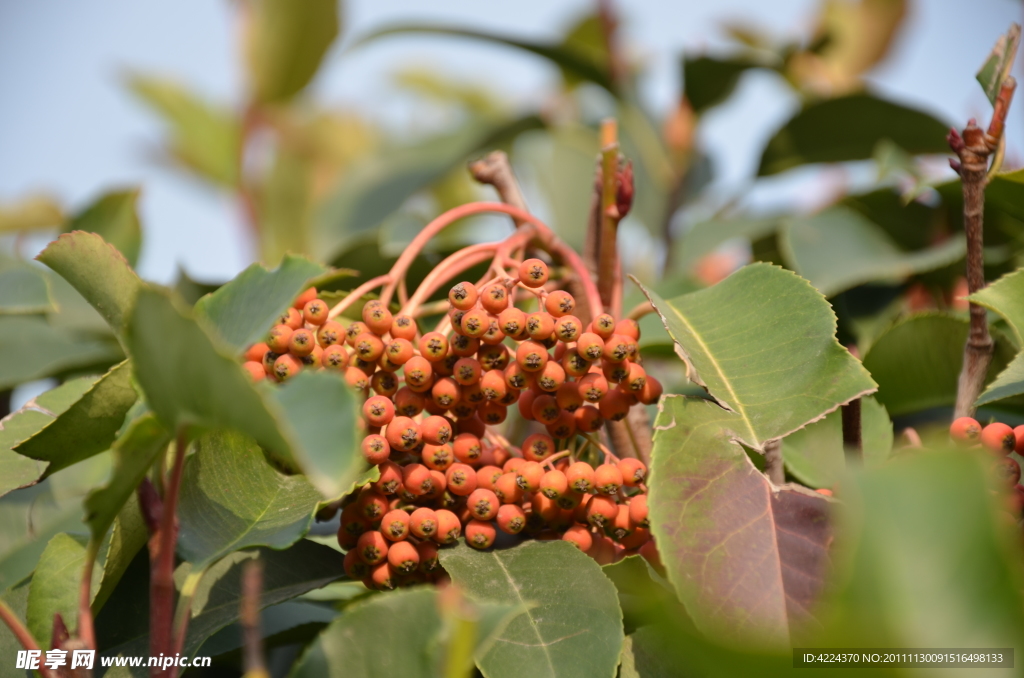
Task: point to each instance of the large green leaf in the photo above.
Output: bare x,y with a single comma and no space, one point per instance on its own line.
838,249
747,559
708,81
916,361
849,128
286,43
35,349
930,560
378,186
999,63
17,470
55,585
322,416
98,271
114,217
573,626
204,138
567,55
241,312
762,342
23,287
122,625
279,619
814,455
128,536
1006,297
232,499
88,426
402,633
134,453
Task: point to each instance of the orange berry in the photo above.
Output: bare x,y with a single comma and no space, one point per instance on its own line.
514,376
376,449
399,351
622,526
467,448
593,387
368,347
390,480
568,396
330,334
531,356
356,378
382,383
651,392
633,471
255,370
618,348
540,325
528,476
512,322
1018,433
476,323
279,337
511,519
629,328
395,525
433,346
635,379
292,318
408,403
483,504
493,385
588,419
615,405
607,478
638,510
436,430
403,434
551,378
998,438
492,413
383,577
486,476
286,366
446,392
580,476
564,426
315,312
304,298
378,411
268,362
601,510
590,346
538,447
1007,471
494,298
579,536
480,534
603,326
417,480
403,556
493,357
403,327
256,352
377,317
354,567
533,273
467,371
568,328
354,330
461,479
545,409
507,489
418,371
559,303
463,296
448,527
574,364
372,547
553,484
438,457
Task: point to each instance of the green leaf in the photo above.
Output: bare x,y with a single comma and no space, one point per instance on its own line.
122,626
231,499
377,187
114,217
999,63
1006,192
241,312
705,236
762,342
573,626
87,427
17,600
35,349
134,453
55,585
814,455
849,128
838,249
916,362
286,43
188,381
567,55
1006,297
128,536
204,138
747,559
402,633
34,212
708,81
322,416
275,620
23,288
930,559
98,271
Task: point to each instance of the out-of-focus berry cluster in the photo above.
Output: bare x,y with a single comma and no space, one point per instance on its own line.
1000,440
434,402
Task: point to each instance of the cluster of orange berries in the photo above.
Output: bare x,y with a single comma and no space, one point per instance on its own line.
1001,440
430,400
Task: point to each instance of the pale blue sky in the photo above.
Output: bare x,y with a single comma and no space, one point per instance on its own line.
67,126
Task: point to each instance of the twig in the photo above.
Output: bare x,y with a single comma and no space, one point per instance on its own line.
249,618
609,279
495,170
773,466
973,149
23,635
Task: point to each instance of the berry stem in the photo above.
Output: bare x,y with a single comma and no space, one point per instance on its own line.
550,461
357,294
640,310
456,263
24,636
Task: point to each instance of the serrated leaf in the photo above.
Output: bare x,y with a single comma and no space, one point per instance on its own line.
573,626
204,138
88,426
114,217
134,453
36,349
916,362
565,55
98,271
242,311
378,186
23,288
402,633
838,249
848,128
285,44
1006,297
762,342
55,585
932,560
231,499
747,559
122,625
999,63
814,455
708,81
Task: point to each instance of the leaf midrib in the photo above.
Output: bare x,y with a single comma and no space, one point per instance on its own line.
529,614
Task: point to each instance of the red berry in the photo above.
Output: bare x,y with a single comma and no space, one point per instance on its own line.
372,547
433,346
395,525
375,449
255,370
304,298
379,411
403,556
1007,471
638,510
580,476
480,534
538,447
540,325
448,527
1018,433
390,480
998,438
403,434
607,478
483,504
579,536
533,273
965,430
507,490
462,479
463,296
315,312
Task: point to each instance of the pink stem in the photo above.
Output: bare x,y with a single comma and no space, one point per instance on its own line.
453,265
357,294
